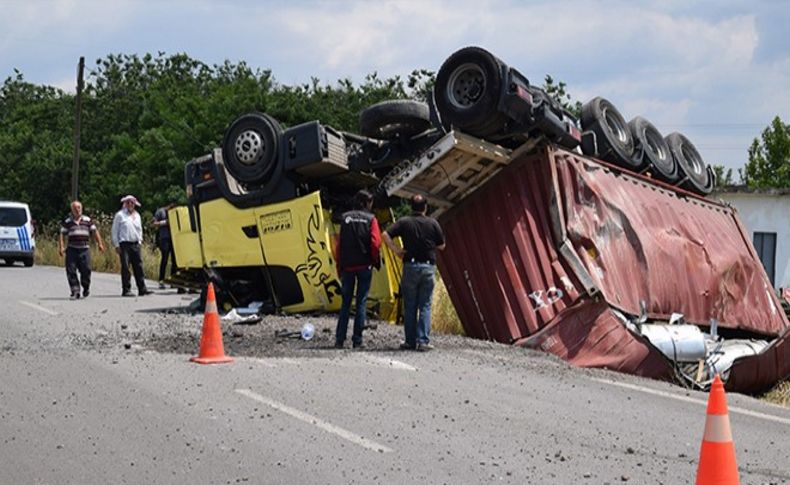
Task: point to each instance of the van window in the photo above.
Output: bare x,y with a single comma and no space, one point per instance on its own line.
12,216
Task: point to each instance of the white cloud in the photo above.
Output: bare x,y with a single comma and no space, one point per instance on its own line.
674,62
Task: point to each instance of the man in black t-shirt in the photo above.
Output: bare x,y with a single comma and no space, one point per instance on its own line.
421,237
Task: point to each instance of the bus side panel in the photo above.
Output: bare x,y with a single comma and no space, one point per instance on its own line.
186,242
294,234
229,235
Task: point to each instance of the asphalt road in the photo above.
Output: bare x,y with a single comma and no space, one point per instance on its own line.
101,391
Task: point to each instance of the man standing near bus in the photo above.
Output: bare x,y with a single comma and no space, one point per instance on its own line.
421,236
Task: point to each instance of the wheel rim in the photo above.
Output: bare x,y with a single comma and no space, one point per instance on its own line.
657,146
616,125
249,146
693,158
466,86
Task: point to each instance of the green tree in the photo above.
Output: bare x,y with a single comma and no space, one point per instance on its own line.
769,157
558,91
724,176
36,132
145,116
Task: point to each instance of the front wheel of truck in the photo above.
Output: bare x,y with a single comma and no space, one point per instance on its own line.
467,91
250,147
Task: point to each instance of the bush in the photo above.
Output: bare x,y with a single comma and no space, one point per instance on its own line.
107,262
444,318
779,395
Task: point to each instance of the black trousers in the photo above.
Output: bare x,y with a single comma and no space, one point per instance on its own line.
78,260
130,254
166,250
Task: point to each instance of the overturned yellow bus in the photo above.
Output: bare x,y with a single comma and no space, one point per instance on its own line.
261,212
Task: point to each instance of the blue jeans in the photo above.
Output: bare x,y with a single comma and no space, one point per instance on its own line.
416,288
348,279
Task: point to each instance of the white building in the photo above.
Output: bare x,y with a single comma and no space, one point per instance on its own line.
765,213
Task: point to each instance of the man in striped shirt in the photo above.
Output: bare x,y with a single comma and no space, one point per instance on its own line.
77,229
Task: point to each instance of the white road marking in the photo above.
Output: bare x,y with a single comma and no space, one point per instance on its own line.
731,409
39,308
307,418
392,363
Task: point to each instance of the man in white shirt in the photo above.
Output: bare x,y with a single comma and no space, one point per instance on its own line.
127,236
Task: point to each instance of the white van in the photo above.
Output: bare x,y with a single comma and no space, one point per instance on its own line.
16,233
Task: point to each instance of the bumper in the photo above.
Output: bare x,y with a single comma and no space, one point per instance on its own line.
17,254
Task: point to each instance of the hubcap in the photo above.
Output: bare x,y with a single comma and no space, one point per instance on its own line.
654,143
691,155
466,85
249,147
616,125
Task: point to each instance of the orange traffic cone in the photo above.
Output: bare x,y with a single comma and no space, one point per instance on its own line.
717,455
211,349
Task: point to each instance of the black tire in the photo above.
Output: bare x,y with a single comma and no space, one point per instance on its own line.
467,91
250,147
398,118
614,140
697,176
28,262
651,150
8,262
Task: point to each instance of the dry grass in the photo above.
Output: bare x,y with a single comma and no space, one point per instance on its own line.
779,395
444,319
107,262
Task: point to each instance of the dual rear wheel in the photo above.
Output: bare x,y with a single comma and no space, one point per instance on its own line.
639,146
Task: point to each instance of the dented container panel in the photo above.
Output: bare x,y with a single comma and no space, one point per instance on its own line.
590,335
501,268
625,238
759,373
642,241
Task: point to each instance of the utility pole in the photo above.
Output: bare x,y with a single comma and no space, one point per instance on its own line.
75,170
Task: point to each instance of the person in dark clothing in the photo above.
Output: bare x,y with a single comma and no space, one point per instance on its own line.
421,237
77,230
357,253
164,243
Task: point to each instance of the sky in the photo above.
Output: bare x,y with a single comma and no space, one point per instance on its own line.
716,71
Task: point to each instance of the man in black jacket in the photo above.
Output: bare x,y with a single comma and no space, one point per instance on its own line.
357,252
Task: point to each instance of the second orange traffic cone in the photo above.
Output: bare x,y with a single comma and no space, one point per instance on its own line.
717,455
211,349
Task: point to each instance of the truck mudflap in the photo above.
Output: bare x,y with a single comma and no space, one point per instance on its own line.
546,230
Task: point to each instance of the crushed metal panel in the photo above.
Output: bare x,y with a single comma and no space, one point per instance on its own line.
642,241
501,268
589,335
761,372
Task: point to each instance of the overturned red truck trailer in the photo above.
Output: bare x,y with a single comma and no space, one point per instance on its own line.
553,250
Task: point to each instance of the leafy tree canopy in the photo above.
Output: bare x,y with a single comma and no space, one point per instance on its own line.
144,116
769,157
